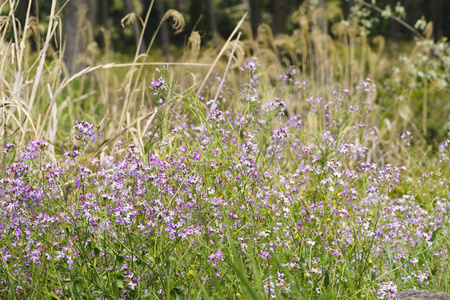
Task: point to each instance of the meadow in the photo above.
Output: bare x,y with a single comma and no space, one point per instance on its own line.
267,169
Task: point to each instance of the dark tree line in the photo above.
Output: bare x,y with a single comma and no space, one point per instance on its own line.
88,20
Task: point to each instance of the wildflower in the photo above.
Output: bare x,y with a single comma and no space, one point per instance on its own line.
216,256
250,65
85,132
118,146
158,85
278,103
310,242
69,261
406,138
108,162
414,260
60,254
387,291
132,285
265,255
250,89
280,134
5,255
216,115
7,148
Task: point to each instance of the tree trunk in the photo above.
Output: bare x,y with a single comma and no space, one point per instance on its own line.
195,11
213,23
346,7
135,26
393,26
437,10
319,47
79,20
280,13
164,30
255,15
103,21
212,17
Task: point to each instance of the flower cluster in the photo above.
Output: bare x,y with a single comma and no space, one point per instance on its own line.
387,291
158,86
216,256
85,132
278,103
407,138
250,90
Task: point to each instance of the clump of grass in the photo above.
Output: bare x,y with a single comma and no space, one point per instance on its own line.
40,100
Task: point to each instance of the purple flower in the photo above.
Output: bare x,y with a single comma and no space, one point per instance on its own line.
277,103
7,148
216,256
132,285
60,254
280,134
158,85
69,261
265,255
387,291
85,132
216,115
250,65
406,138
5,255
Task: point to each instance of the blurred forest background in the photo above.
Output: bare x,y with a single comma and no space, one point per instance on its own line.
94,59
115,25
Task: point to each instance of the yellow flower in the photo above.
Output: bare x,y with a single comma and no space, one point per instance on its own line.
370,261
328,219
191,272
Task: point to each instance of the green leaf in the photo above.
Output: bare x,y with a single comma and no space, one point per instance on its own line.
120,258
96,252
151,260
119,283
326,280
435,233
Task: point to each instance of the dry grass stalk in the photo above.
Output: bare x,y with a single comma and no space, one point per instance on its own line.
220,54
